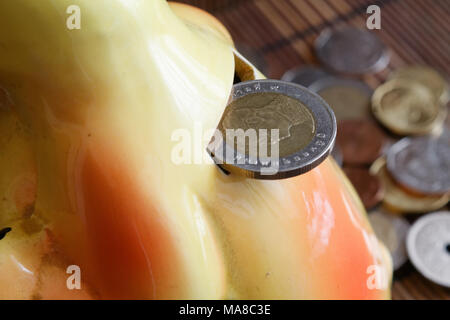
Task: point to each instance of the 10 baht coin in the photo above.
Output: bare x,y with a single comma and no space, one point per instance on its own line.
351,50
284,117
428,245
421,164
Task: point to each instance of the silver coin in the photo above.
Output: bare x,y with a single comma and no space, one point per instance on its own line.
304,75
349,99
392,231
422,164
351,50
306,125
428,245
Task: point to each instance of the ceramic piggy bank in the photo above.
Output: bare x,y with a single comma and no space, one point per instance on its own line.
92,205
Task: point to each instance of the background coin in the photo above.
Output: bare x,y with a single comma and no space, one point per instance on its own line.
349,99
368,186
351,50
407,107
425,76
392,230
421,164
399,200
305,75
428,245
361,141
306,124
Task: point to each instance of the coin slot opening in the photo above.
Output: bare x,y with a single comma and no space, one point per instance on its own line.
236,79
3,232
243,69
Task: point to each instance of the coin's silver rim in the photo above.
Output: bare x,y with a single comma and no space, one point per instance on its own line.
305,159
326,35
331,81
393,169
402,226
291,74
410,245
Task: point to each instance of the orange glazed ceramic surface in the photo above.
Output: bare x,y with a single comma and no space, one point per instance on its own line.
87,178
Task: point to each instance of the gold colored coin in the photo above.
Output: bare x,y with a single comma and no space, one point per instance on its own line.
426,76
398,199
407,107
268,110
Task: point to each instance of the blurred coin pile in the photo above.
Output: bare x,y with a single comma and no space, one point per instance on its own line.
393,144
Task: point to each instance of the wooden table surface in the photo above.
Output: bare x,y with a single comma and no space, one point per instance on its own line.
282,33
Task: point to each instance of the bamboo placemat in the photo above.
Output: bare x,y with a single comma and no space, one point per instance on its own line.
283,32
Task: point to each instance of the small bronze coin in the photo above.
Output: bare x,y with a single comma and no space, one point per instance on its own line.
368,186
361,141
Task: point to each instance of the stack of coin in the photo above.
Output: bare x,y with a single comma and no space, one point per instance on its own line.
407,176
399,200
415,171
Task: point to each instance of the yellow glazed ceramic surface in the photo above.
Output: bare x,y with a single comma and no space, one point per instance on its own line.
86,173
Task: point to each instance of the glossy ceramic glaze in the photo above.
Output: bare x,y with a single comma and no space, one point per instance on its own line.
87,177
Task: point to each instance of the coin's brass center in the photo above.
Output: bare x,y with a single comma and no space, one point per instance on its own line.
268,110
